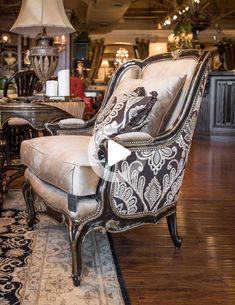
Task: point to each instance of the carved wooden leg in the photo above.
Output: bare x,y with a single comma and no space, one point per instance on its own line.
19,171
76,235
172,226
29,197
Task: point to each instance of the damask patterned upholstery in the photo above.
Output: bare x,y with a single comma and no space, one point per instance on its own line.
124,112
149,180
145,186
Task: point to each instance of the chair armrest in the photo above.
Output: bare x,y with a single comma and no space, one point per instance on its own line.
76,131
82,127
133,139
72,123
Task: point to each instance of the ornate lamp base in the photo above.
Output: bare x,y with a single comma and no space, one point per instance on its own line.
44,58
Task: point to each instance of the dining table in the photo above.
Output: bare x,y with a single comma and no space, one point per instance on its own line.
36,112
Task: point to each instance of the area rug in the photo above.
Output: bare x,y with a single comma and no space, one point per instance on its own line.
35,266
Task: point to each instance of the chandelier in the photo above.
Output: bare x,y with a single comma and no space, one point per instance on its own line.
121,56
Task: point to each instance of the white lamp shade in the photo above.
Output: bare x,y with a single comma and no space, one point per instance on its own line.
157,48
104,64
37,14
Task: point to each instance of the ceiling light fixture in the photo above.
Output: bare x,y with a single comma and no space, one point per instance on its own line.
168,21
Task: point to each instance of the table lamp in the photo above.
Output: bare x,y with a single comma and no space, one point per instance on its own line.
44,19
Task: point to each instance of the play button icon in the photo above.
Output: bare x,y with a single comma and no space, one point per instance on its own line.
116,152
101,167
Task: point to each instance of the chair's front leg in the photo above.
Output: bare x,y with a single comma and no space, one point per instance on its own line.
172,226
29,197
76,235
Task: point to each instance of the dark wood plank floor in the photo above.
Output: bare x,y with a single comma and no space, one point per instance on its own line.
203,271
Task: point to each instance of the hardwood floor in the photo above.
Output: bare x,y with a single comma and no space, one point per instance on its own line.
203,271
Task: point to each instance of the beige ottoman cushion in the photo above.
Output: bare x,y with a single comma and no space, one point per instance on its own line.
63,162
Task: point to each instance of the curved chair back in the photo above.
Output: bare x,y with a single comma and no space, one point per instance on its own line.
25,83
162,73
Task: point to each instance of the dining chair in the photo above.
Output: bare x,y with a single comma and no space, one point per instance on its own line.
19,129
150,108
25,82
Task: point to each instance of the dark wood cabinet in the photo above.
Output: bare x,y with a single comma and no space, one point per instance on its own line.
217,113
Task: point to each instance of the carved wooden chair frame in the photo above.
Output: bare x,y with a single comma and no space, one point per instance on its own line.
172,148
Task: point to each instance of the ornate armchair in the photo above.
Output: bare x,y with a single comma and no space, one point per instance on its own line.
150,108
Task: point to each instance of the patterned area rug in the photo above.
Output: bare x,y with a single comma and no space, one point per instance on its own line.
35,266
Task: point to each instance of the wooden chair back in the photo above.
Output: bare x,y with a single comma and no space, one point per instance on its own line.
25,83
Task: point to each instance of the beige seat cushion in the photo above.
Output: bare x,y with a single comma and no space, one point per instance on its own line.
62,161
85,207
17,122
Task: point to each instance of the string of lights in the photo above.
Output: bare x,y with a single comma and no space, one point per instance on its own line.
190,10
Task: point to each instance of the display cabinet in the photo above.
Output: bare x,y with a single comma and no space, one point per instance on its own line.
217,112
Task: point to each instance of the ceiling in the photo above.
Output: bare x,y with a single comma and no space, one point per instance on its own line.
102,16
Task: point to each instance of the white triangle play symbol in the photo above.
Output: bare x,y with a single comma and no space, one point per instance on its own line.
116,152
